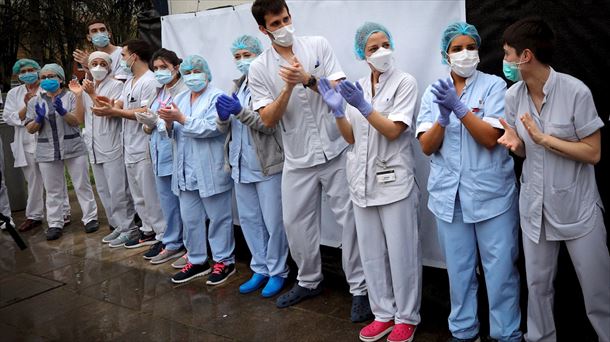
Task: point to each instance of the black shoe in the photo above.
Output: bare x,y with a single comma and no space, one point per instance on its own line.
137,220
141,241
191,271
154,250
361,309
220,273
111,228
54,233
92,226
296,295
455,339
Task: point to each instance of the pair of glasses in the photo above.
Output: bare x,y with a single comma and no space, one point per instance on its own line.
47,77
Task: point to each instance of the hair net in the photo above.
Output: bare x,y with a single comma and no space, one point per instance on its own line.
56,68
458,29
249,43
364,32
100,54
23,63
196,62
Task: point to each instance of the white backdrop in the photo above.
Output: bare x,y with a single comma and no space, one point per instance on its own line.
416,27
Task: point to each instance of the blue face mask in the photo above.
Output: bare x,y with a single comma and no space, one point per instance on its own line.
511,70
126,67
29,77
164,76
100,39
195,82
244,65
50,85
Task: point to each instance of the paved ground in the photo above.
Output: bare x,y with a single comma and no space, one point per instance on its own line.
77,289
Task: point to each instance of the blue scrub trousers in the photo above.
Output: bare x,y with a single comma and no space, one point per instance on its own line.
259,207
218,208
497,242
170,206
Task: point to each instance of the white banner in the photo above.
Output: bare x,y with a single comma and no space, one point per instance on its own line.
416,27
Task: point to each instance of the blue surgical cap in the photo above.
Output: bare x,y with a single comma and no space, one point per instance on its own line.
24,62
249,43
56,68
364,32
458,29
196,62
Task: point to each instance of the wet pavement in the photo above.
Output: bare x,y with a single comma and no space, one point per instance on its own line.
78,289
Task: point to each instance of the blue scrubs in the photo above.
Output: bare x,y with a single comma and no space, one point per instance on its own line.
473,196
258,200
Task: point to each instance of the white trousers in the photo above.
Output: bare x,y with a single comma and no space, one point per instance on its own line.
55,186
143,187
111,185
589,255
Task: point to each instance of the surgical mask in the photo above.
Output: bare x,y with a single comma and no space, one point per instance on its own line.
464,63
511,70
98,72
195,82
29,77
243,65
100,39
284,36
164,76
126,67
381,59
50,85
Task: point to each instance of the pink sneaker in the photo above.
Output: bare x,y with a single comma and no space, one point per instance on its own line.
402,332
375,331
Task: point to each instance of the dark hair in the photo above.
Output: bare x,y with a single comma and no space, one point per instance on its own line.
534,34
141,48
167,56
96,21
260,8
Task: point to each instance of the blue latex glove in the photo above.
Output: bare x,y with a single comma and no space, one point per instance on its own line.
446,95
59,107
354,95
333,99
40,113
227,105
443,118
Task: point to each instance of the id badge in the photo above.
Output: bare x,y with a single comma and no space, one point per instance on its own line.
386,176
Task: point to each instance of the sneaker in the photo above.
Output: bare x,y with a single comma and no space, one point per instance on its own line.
180,263
254,283
153,251
54,233
29,224
375,331
92,226
361,309
113,235
111,228
296,295
273,287
167,255
67,220
121,240
141,240
220,273
473,339
191,271
402,332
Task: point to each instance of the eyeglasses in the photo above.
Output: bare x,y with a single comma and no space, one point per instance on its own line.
47,77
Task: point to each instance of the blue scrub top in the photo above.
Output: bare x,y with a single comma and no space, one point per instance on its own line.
161,149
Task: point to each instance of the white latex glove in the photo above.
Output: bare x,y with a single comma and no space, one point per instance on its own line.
148,118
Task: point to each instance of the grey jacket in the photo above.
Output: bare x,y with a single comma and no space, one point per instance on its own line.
267,141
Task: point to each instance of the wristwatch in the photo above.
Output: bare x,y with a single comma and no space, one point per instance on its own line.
311,82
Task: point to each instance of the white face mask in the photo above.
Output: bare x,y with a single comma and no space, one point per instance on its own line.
283,36
98,72
381,59
464,63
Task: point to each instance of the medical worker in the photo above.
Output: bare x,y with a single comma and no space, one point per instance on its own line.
552,122
283,83
24,144
166,68
139,90
199,178
102,135
53,114
381,175
472,190
100,36
256,157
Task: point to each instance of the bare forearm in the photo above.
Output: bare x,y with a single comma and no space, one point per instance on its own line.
22,113
587,150
388,128
346,130
33,127
273,113
71,119
482,132
79,112
432,139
